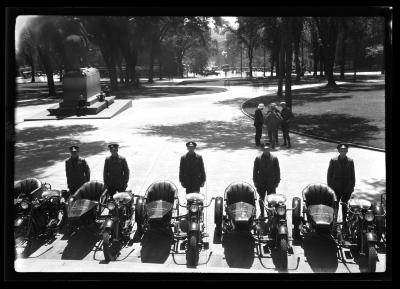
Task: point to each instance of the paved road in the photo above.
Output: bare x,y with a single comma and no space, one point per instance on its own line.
152,136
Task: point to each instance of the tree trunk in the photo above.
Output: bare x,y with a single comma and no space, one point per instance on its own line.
121,73
272,63
281,69
159,66
32,65
355,57
343,46
296,58
250,54
48,70
289,52
61,74
151,65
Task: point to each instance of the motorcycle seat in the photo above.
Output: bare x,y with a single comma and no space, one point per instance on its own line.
195,197
123,197
360,203
27,186
240,192
322,215
274,199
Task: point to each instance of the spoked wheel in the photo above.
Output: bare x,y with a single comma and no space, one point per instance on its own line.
283,254
110,249
372,257
23,242
192,252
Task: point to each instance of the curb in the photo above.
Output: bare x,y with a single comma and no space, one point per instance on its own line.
314,136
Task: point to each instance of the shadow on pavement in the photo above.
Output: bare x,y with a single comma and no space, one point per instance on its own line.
154,92
37,148
238,249
80,245
156,246
321,253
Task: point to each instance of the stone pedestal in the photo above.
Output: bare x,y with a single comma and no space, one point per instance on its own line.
81,94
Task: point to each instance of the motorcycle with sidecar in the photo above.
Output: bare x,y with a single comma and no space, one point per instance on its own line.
118,223
240,209
359,231
158,211
39,211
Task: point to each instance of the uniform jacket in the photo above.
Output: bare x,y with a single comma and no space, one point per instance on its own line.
116,172
286,114
77,171
266,171
258,117
341,176
273,120
191,171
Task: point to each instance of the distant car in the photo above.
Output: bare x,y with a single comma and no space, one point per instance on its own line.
210,72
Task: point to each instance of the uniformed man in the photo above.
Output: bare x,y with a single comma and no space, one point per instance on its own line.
287,115
191,169
266,175
341,176
77,170
258,122
273,120
116,171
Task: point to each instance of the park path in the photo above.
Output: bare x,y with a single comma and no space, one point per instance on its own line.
152,136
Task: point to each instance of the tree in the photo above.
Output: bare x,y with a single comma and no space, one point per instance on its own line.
328,28
27,50
250,33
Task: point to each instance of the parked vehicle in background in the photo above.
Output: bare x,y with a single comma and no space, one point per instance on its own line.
209,72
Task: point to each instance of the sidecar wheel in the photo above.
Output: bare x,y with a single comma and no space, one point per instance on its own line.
192,252
139,211
109,249
372,258
296,218
283,254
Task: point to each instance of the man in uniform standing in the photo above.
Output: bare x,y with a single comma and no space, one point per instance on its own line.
116,171
77,170
273,119
266,175
258,122
191,170
341,177
287,115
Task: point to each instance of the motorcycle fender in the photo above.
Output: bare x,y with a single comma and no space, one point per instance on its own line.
19,222
193,226
371,237
282,230
107,224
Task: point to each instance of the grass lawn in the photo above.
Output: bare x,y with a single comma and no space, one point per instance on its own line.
355,112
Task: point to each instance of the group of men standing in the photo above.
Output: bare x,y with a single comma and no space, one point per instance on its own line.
273,119
192,175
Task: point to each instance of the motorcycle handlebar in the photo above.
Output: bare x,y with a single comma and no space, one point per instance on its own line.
204,206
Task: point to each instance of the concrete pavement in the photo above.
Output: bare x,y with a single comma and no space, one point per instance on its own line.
152,136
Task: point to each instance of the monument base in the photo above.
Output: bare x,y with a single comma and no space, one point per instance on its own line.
91,107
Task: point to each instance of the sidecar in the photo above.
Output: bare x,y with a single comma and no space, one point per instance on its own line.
83,208
319,211
154,211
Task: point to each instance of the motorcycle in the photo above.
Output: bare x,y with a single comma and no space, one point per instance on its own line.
118,224
39,213
360,231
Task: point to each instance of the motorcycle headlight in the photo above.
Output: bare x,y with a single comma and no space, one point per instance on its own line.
281,210
369,216
24,205
71,200
194,208
111,206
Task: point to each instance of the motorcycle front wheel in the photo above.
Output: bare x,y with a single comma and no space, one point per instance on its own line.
109,247
283,254
372,257
192,252
23,242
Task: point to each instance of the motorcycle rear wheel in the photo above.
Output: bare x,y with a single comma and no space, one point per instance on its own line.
109,247
283,254
192,252
372,258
